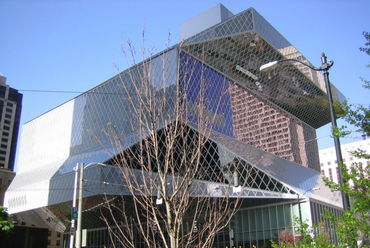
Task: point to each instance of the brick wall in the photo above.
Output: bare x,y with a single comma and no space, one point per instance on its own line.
259,124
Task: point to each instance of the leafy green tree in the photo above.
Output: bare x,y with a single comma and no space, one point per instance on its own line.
357,115
5,224
366,49
307,238
353,226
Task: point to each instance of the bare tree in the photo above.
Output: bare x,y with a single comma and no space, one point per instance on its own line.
167,199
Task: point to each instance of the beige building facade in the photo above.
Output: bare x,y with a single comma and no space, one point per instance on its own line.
328,159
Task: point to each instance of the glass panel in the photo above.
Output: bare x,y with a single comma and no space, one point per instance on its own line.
287,215
280,216
266,223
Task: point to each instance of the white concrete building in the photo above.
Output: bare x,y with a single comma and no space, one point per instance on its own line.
328,159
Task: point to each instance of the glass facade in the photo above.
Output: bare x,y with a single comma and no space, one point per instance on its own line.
258,226
203,85
259,129
238,113
318,210
251,227
110,107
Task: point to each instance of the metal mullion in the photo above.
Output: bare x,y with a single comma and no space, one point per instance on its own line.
249,227
285,225
263,227
292,220
269,209
255,225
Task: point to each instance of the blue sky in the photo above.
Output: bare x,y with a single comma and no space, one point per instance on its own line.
73,45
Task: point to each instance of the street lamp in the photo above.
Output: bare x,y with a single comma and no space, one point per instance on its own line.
324,68
79,171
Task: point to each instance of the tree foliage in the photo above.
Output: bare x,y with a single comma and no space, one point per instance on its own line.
354,224
366,49
358,115
307,239
352,227
5,224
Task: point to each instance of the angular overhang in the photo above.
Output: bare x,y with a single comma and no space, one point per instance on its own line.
48,195
298,178
238,47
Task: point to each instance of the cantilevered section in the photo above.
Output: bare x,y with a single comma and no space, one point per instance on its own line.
238,47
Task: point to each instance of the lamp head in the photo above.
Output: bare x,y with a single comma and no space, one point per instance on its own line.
315,188
269,66
101,164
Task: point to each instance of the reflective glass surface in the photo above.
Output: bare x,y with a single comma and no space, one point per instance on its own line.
111,109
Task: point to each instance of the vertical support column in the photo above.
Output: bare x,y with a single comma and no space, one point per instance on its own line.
74,209
326,66
80,197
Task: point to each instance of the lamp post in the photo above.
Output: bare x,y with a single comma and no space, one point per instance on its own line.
324,68
299,206
79,179
299,203
74,209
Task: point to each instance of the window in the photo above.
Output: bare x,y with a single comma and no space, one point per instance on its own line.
329,163
9,104
330,175
58,243
337,169
8,110
7,122
8,116
58,234
4,140
6,134
6,128
323,172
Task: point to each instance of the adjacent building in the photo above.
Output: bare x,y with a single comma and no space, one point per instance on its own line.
10,112
263,124
55,239
328,158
